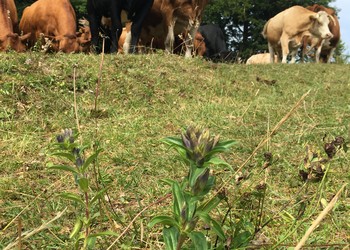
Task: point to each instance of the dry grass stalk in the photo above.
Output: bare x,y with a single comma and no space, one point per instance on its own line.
26,235
267,139
320,217
134,219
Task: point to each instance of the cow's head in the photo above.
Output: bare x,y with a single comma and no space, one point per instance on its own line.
13,41
84,39
320,25
317,8
67,43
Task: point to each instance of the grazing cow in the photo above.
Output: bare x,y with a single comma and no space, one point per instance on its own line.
199,44
263,58
214,40
324,47
286,30
137,11
56,20
9,24
209,42
170,18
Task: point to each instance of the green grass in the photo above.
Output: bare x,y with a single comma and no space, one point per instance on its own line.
144,98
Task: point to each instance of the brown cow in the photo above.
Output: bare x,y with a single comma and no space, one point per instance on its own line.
8,23
169,18
54,19
199,45
324,47
286,30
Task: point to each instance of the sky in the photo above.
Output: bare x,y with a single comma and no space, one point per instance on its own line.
344,19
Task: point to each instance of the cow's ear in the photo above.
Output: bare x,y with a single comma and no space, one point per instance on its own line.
314,16
331,19
25,37
13,35
57,38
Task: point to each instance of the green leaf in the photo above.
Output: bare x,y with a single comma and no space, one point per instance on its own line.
179,199
210,184
173,142
207,206
90,160
68,156
167,181
83,184
164,220
215,226
72,197
177,144
242,239
99,194
73,170
171,236
195,174
226,144
91,241
105,233
217,229
199,241
217,161
77,227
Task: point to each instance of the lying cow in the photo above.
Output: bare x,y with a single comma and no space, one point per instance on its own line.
137,11
285,31
263,58
55,20
324,47
9,24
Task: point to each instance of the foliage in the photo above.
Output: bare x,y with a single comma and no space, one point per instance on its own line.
68,149
243,21
198,150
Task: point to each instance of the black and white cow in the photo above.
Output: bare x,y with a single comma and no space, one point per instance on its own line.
136,9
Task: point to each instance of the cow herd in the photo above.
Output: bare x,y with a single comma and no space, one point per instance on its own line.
162,24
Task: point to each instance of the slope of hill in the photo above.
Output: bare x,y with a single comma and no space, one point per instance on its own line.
144,98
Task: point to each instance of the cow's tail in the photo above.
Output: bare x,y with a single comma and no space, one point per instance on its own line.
264,32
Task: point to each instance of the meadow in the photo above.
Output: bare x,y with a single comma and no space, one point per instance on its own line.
289,112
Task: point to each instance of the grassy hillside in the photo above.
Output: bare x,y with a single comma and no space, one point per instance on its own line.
145,98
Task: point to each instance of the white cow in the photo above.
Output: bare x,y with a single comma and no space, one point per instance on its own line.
262,58
285,31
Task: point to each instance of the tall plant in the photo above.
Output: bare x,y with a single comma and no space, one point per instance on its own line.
190,196
67,148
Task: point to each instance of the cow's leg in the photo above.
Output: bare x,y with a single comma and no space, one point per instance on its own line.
136,26
330,55
94,22
304,49
170,38
189,41
285,47
272,53
117,28
126,45
294,53
318,51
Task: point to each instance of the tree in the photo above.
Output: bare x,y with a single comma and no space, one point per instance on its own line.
243,21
